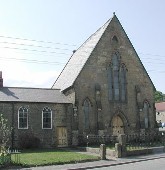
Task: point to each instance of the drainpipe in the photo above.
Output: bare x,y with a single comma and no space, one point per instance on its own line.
12,132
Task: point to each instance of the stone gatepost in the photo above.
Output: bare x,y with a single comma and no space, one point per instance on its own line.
118,150
122,141
102,152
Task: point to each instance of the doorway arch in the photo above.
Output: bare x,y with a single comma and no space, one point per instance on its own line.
117,125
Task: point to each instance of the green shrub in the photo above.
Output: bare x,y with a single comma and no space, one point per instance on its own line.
28,141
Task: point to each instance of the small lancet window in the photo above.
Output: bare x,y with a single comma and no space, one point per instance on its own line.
146,114
114,41
87,107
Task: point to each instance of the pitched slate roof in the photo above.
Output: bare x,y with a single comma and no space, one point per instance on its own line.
78,60
17,94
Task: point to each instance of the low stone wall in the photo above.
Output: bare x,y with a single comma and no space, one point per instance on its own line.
93,150
139,152
109,152
114,153
158,149
145,151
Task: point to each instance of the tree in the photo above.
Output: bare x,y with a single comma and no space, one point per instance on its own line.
5,133
159,96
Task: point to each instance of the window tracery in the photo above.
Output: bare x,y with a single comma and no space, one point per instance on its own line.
116,79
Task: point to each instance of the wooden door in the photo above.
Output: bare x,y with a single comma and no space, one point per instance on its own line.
117,125
62,136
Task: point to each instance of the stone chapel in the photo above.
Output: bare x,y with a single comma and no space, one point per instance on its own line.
103,89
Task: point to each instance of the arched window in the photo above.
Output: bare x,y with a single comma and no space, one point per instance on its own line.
46,118
116,79
87,107
146,114
123,82
114,41
115,62
23,118
110,82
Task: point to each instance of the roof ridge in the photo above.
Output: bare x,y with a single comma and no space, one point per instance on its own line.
160,102
29,88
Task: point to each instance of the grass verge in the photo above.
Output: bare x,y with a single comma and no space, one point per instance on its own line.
30,158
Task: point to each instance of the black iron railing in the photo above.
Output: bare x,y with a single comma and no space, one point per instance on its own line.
132,140
96,140
145,140
15,156
10,156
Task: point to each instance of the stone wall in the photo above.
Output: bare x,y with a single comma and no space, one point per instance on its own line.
61,116
95,73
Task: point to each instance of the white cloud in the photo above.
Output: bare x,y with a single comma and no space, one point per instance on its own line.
19,74
30,79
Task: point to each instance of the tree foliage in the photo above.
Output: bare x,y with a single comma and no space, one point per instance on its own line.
159,96
5,133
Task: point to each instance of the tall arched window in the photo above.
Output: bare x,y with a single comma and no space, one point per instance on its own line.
110,82
116,79
115,62
46,118
23,118
87,107
123,82
146,114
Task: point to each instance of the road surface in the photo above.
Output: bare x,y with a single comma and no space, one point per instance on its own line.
155,164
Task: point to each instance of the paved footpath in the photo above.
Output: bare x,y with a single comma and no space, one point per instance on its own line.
97,164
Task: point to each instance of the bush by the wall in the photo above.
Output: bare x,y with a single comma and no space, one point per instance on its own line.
28,141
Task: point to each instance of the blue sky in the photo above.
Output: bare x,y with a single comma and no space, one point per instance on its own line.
37,37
